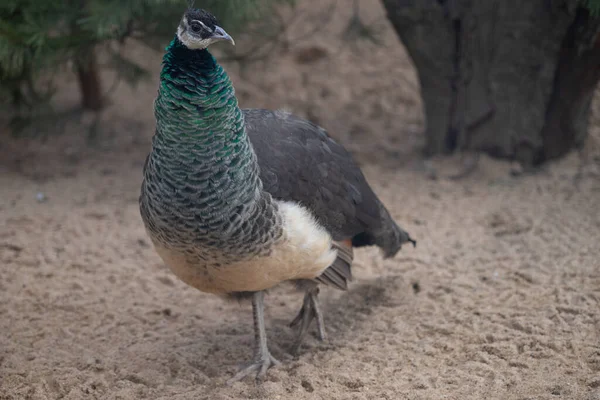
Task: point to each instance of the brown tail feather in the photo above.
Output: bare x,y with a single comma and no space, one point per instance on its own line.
339,273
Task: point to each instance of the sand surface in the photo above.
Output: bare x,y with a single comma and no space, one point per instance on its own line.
500,300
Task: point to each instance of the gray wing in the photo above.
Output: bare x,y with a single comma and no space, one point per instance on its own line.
300,162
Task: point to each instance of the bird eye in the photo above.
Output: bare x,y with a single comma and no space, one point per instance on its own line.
196,27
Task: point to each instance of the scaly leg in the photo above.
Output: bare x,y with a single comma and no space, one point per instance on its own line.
263,360
310,310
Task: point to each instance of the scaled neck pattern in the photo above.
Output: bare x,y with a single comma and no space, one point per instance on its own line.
202,179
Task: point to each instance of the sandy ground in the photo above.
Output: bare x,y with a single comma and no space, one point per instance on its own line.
500,300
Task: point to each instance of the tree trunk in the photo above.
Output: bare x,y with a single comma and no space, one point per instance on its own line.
511,78
89,81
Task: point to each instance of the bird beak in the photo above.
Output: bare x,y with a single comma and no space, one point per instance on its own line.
220,34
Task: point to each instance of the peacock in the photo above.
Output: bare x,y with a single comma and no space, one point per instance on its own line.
237,201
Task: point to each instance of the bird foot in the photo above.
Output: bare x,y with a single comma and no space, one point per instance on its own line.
310,310
260,366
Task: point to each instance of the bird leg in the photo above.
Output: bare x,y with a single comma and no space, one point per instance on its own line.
310,310
263,360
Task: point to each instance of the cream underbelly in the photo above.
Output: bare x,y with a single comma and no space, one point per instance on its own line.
303,252
284,263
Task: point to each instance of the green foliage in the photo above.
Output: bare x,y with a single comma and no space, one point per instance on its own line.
593,6
39,36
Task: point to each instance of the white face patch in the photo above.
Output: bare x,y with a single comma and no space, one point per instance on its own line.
190,34
191,42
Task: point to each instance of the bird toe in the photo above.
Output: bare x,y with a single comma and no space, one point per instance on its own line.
259,366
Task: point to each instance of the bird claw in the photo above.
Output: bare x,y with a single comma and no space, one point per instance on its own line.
260,366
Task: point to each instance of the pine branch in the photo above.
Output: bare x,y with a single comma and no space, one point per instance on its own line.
593,6
40,36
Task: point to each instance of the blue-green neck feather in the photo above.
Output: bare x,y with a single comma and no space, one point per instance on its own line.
196,99
202,159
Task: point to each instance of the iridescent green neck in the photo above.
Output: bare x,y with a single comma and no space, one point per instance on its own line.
200,142
196,101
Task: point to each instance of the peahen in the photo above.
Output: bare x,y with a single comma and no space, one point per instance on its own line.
238,201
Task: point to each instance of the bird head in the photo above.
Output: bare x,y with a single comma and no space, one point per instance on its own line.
199,29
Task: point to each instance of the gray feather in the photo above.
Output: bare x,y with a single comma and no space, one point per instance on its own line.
298,161
340,272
